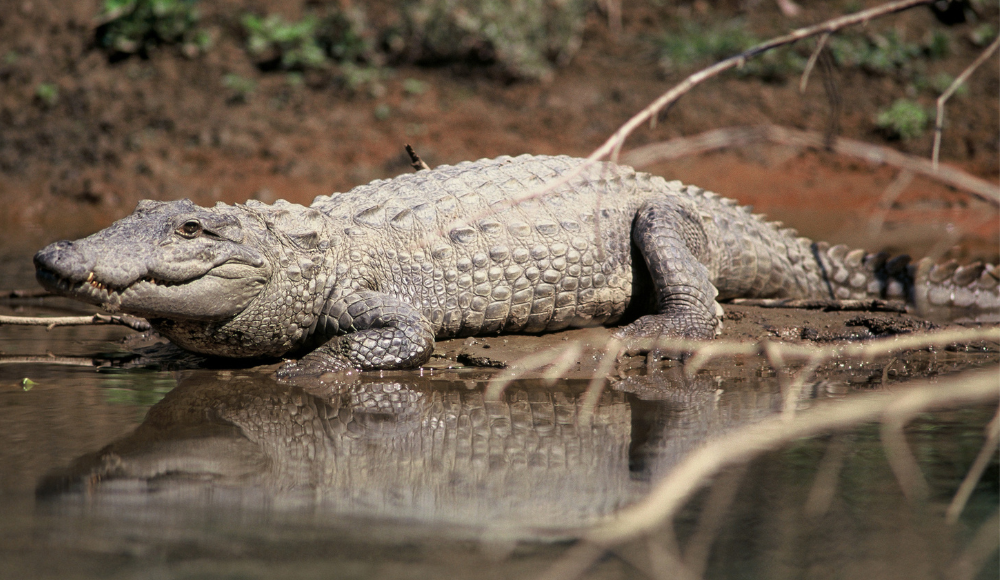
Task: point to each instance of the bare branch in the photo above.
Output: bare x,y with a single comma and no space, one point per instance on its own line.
873,305
901,459
986,454
712,515
893,191
596,386
737,446
977,554
812,61
705,351
95,320
574,562
71,361
415,161
825,484
521,367
747,135
23,294
616,141
939,120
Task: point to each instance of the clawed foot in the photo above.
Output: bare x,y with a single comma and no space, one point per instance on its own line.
315,368
656,336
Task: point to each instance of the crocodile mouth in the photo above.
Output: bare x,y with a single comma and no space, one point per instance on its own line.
220,292
92,289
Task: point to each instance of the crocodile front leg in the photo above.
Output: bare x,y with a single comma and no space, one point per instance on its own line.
369,330
671,240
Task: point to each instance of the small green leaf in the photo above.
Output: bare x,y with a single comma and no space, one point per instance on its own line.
27,383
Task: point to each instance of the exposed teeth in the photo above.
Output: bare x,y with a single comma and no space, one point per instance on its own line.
90,277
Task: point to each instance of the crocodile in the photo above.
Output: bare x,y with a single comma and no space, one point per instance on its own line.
406,447
384,448
368,279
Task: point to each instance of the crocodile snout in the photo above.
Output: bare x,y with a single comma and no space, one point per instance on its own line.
65,260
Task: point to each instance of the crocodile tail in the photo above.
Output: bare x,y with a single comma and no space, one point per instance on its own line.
854,274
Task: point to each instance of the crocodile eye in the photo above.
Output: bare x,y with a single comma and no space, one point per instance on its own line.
190,229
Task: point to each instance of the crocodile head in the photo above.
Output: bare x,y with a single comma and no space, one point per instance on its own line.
168,259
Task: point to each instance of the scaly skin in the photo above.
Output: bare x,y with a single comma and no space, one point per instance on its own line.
386,449
369,278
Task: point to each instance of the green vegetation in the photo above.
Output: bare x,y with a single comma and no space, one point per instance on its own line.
414,87
136,26
241,88
47,93
696,45
522,38
288,45
905,119
878,53
310,43
983,34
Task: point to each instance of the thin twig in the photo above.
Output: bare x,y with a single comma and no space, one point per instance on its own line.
705,351
25,294
870,305
904,465
720,497
71,361
94,320
812,61
893,191
739,445
986,454
520,367
939,120
617,139
821,493
982,546
747,135
415,161
596,386
574,562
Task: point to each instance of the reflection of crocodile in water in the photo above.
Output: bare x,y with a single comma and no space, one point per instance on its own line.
432,451
369,278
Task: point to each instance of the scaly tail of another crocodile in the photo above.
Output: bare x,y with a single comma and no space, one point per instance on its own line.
933,289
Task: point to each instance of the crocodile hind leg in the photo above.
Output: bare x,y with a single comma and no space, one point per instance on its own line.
369,330
672,242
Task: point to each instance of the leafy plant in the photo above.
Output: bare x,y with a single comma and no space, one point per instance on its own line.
136,26
905,119
48,94
983,34
888,52
522,39
695,44
286,45
242,88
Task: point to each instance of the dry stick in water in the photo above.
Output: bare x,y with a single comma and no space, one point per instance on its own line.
939,120
870,305
705,351
825,484
742,444
986,454
95,320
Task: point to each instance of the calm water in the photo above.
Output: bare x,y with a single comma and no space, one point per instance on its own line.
110,472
